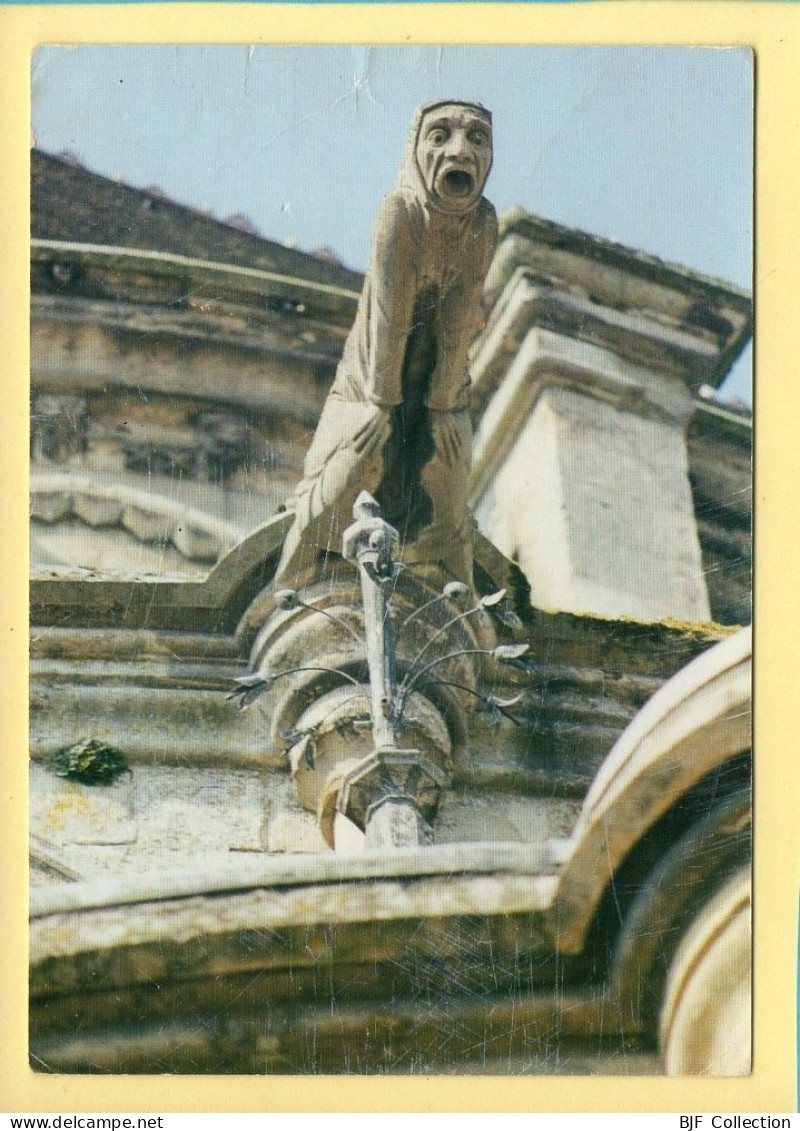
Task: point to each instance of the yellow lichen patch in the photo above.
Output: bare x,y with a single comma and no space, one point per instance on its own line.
73,805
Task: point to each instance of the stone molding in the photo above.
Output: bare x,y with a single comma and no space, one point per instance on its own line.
696,722
625,279
57,497
548,360
303,294
326,868
706,1018
660,343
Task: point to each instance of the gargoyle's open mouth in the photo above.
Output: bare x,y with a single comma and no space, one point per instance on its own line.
458,183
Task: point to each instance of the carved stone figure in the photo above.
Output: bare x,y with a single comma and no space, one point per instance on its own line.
396,420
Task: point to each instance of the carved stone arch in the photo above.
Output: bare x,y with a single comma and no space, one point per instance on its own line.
705,1025
649,883
119,514
676,891
698,721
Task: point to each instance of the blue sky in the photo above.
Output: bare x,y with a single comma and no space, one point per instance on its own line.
649,146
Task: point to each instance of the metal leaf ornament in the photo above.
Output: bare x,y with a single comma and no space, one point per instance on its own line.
498,708
511,655
250,687
294,735
506,652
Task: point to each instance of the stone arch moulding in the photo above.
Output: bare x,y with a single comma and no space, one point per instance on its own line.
698,721
198,537
229,600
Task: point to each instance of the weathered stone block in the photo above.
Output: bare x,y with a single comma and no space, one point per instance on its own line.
591,494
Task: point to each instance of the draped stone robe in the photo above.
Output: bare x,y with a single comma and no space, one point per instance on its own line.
396,420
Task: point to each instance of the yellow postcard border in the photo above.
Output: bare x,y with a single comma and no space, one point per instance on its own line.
773,30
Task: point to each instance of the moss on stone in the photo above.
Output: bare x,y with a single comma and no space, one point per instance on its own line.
90,762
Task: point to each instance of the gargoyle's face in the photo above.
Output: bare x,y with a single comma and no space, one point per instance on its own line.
454,154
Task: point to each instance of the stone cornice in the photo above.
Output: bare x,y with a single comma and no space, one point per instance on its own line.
625,280
214,604
665,345
650,267
224,279
731,424
325,868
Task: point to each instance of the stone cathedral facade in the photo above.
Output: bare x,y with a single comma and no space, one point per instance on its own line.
582,757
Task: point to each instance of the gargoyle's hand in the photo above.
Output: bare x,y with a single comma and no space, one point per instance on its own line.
447,437
374,433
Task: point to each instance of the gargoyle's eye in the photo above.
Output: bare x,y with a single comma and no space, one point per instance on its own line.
438,135
478,137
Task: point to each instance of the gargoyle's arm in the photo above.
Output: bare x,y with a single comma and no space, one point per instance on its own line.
392,291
